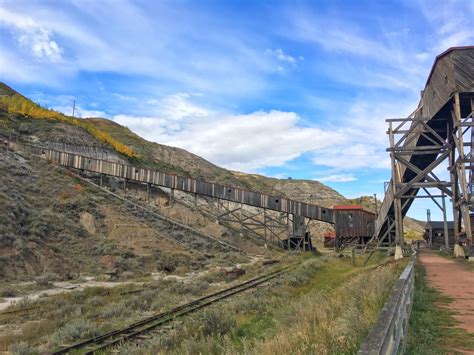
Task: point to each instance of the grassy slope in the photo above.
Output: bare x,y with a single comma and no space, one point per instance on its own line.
432,328
15,103
325,306
67,318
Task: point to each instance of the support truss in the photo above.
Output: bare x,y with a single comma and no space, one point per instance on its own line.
419,145
461,170
282,229
403,135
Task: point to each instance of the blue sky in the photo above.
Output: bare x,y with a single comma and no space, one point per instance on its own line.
296,89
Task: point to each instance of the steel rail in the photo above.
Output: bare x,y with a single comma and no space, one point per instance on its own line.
121,335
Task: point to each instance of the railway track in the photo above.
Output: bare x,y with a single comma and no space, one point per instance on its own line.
21,312
123,335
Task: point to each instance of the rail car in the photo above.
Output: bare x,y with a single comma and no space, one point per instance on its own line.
353,225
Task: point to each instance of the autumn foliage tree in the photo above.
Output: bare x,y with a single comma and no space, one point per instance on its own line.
18,104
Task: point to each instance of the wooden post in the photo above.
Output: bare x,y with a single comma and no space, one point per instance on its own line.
397,203
288,229
445,222
462,170
241,220
430,229
265,224
171,196
453,176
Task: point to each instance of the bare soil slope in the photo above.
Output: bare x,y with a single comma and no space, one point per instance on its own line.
51,223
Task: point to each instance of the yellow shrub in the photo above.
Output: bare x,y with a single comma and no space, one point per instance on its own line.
19,104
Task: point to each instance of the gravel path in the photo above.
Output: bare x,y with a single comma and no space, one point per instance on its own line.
454,280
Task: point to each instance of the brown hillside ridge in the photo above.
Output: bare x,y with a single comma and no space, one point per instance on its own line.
57,225
169,159
159,156
5,90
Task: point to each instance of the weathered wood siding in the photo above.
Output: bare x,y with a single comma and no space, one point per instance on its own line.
354,223
452,72
204,188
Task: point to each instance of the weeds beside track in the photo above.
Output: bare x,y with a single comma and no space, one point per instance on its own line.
122,335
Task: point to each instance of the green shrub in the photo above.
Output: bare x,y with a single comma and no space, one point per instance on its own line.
75,330
8,292
115,310
216,322
47,279
21,348
193,288
208,346
256,304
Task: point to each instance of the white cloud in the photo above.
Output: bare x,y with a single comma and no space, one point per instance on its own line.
98,37
363,139
451,23
354,139
283,61
31,35
337,178
348,156
241,142
282,56
177,106
39,41
124,97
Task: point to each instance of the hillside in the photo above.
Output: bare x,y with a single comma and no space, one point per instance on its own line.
20,116
50,224
92,259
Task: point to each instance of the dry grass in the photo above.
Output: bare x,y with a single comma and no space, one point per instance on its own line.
328,309
335,321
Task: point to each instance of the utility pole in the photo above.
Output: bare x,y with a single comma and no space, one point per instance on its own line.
73,108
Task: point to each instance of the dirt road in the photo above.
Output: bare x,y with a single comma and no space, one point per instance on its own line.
454,280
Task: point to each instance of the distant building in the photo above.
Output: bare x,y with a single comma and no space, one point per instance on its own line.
330,239
437,230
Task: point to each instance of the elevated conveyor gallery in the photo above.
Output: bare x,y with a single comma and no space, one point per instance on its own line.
446,99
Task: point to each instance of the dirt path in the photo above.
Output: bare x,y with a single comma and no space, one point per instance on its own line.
453,280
